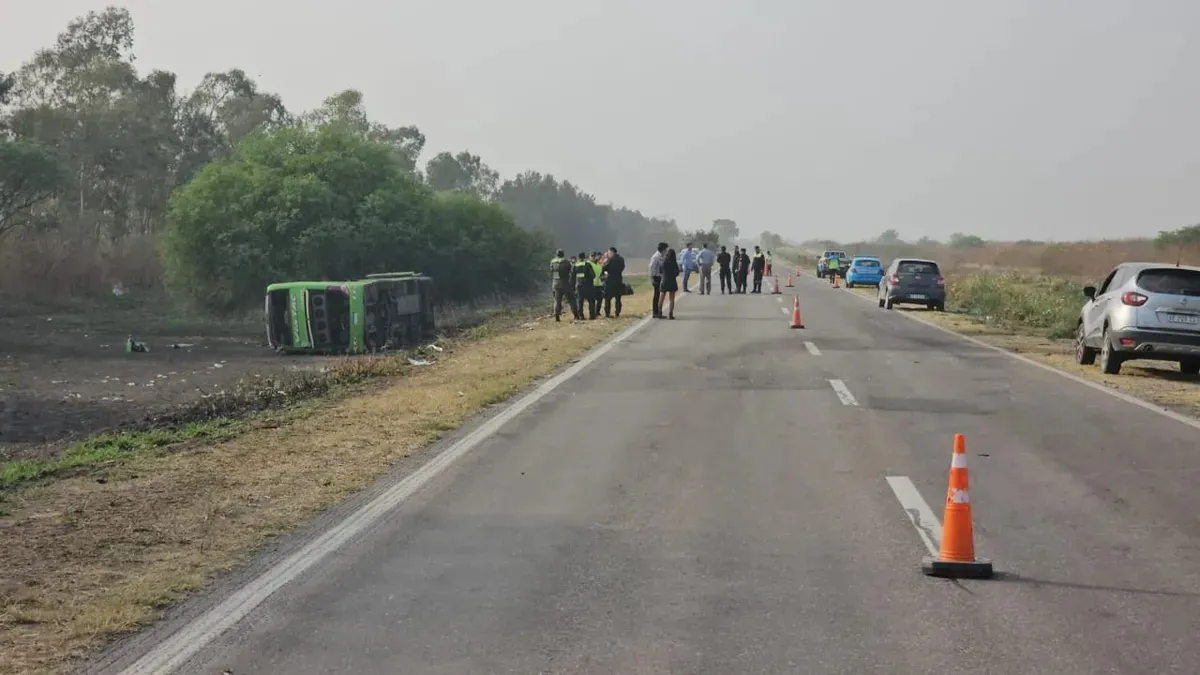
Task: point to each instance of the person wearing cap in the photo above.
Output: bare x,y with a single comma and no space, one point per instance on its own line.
597,285
584,283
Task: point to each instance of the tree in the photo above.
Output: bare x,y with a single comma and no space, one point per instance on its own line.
29,175
888,237
326,203
770,240
7,82
571,217
700,237
726,229
960,240
463,172
346,109
1178,241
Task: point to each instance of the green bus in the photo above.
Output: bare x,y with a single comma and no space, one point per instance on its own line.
382,311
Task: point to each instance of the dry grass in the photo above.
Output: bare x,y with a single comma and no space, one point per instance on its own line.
1155,382
99,553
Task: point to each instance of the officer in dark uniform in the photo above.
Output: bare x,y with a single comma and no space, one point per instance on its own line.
585,279
614,281
562,277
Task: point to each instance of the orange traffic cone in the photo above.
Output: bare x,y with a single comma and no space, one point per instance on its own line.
797,322
776,291
835,277
789,283
957,559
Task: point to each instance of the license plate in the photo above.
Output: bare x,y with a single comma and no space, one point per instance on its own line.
1183,318
917,297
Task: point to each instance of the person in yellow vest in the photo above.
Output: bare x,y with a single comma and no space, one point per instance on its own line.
833,267
584,285
597,285
758,265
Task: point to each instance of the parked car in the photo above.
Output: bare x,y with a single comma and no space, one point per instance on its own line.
864,270
1142,311
913,281
822,268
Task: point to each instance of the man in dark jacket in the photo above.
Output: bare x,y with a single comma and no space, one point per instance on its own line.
724,261
614,281
743,270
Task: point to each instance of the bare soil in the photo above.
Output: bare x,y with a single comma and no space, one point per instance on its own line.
64,371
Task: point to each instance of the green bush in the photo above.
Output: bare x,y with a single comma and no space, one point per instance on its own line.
1047,304
301,203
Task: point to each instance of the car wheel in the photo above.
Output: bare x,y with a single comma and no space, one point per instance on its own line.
939,307
1110,359
888,303
1189,367
1084,355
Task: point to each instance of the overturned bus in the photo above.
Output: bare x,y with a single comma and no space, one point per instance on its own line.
383,311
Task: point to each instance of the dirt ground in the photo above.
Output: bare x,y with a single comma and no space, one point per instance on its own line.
64,372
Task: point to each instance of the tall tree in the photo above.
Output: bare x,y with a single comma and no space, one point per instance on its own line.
29,175
463,172
346,109
726,228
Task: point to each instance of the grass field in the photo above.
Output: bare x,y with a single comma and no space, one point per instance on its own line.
100,538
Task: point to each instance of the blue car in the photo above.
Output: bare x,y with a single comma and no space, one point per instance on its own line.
864,270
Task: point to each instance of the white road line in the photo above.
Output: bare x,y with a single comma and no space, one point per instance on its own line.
843,392
812,349
778,299
174,652
783,309
927,524
1132,400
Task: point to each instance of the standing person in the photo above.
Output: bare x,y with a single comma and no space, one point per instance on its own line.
743,269
583,283
561,275
768,263
656,271
832,268
705,259
724,261
614,281
597,285
687,263
759,265
670,283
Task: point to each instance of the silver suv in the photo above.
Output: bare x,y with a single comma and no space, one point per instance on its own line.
1142,311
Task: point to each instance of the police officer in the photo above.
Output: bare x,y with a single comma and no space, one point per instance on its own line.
561,277
584,283
758,265
614,281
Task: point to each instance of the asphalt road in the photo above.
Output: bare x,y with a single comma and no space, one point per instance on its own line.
702,499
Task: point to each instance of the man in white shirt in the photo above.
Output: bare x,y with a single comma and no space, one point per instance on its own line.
705,259
656,264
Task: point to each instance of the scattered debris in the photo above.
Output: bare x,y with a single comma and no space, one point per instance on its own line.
182,345
419,362
132,346
435,348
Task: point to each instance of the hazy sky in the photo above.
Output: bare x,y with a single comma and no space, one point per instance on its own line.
1008,119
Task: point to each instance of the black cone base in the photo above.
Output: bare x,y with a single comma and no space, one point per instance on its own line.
980,569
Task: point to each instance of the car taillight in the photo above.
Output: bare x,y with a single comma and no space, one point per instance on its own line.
1133,299
894,280
941,281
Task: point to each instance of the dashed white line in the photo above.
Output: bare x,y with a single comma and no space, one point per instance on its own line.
843,392
929,528
783,309
812,349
